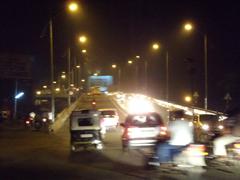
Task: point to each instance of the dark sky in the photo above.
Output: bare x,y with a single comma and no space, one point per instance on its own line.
121,29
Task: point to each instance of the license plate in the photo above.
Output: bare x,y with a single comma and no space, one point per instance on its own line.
86,135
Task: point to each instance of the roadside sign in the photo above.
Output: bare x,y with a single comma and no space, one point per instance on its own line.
15,66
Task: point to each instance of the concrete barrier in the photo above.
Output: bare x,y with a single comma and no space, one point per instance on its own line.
63,116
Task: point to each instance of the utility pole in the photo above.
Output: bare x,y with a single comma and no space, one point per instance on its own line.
69,75
52,68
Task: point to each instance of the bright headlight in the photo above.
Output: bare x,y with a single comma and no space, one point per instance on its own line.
139,105
220,127
205,127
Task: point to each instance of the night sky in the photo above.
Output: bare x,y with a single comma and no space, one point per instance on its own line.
121,29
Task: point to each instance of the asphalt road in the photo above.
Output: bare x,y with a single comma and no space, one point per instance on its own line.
38,155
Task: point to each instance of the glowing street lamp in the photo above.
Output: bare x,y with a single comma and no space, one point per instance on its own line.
188,27
84,51
83,80
114,66
155,46
130,62
57,89
82,39
78,66
16,97
63,76
138,57
44,87
188,99
73,6
38,92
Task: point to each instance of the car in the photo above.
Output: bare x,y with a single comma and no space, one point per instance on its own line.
109,118
142,130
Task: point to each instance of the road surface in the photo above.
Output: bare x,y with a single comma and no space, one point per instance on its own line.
27,154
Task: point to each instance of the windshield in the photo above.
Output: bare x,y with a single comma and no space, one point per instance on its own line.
110,112
85,122
144,120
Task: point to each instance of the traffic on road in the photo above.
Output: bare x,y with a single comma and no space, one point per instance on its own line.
127,151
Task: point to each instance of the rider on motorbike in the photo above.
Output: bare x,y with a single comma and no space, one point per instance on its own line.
232,134
180,135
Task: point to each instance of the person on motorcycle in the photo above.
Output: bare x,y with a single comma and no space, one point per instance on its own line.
180,135
231,134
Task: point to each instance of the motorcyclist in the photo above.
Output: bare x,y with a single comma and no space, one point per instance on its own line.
231,134
180,135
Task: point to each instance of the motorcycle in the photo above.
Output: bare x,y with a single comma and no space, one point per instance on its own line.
37,122
231,160
193,155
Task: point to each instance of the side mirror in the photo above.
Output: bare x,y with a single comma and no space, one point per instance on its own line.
122,124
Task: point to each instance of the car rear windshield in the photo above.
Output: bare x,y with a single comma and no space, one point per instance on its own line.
85,122
150,120
110,112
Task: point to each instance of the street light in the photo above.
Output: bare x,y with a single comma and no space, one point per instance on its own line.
73,7
82,39
188,27
188,99
84,51
63,76
44,87
130,61
17,96
114,66
155,47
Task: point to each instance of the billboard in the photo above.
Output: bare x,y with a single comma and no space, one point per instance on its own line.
103,82
14,66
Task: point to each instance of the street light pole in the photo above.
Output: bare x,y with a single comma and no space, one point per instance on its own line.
69,75
206,71
52,68
119,77
167,76
146,74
